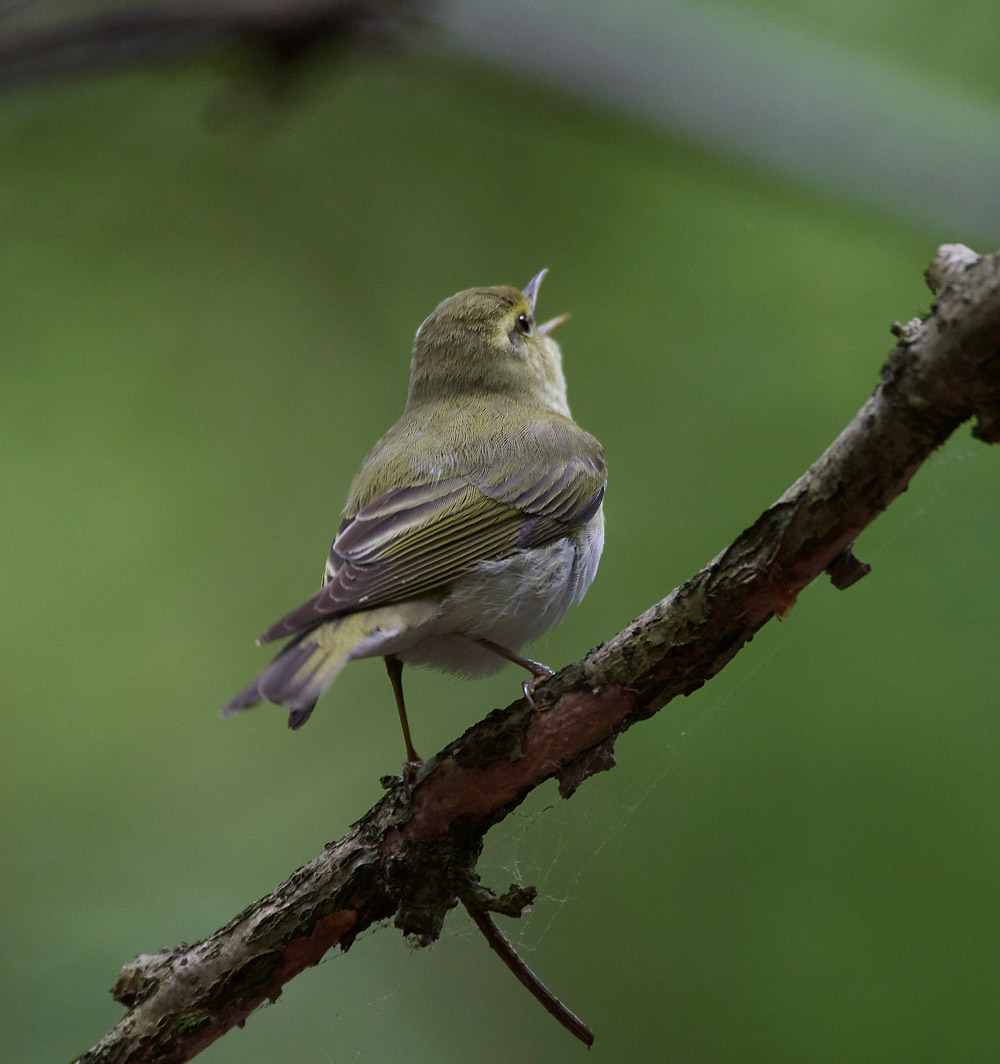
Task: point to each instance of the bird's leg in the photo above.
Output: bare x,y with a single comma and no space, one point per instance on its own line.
394,667
536,668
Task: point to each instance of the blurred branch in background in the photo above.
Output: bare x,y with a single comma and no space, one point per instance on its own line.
415,852
46,38
741,80
735,79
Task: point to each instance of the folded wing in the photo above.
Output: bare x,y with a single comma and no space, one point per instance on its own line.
416,540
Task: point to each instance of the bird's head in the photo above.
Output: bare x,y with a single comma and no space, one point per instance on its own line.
485,342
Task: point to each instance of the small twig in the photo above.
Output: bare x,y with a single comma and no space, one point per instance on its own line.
525,976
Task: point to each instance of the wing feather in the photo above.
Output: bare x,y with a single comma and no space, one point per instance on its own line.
416,540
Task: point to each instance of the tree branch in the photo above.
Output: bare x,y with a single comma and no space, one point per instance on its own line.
415,852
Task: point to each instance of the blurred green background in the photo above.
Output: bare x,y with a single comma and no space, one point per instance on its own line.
207,306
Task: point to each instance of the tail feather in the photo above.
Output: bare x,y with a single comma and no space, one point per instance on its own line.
298,717
301,672
246,699
307,665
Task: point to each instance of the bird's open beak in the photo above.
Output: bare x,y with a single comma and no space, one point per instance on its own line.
530,290
551,326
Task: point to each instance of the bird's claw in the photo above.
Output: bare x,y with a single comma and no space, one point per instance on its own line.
529,685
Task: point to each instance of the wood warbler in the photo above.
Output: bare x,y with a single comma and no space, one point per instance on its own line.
471,528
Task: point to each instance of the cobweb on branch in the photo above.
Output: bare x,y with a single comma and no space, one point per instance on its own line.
552,846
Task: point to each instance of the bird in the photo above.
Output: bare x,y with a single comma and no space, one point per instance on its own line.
472,526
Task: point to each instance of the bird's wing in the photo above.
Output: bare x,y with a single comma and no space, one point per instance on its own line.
416,540
567,495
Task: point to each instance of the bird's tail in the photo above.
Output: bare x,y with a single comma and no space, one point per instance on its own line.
304,669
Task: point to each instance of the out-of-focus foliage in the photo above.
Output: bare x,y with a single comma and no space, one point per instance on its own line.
206,317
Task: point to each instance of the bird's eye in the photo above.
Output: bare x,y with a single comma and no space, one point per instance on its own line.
524,324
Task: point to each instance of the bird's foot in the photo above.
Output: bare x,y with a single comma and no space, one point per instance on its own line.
538,674
410,772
